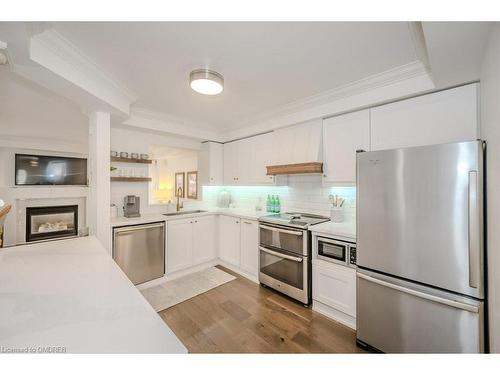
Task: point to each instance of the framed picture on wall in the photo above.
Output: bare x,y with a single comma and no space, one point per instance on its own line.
192,185
179,184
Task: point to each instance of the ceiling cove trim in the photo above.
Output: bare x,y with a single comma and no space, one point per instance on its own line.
161,122
52,51
400,73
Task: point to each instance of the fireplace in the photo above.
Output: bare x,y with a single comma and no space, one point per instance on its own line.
43,223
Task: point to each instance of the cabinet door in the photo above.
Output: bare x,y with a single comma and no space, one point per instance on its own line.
342,136
335,286
249,245
179,245
204,239
230,163
229,240
261,157
210,164
442,117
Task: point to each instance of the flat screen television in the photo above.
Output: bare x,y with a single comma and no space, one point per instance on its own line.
50,170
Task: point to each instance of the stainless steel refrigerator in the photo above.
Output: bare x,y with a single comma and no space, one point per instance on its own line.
421,261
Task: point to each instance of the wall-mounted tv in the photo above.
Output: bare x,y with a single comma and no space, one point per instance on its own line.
50,170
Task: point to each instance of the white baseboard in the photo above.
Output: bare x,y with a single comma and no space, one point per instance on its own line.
239,271
176,275
197,268
339,316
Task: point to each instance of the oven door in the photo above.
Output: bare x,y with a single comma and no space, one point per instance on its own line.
332,250
285,272
287,239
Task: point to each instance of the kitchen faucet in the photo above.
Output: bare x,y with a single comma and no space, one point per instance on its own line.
179,204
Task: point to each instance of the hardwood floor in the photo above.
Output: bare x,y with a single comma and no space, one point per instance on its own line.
244,317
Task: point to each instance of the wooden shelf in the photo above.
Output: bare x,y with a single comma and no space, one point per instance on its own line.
131,179
130,160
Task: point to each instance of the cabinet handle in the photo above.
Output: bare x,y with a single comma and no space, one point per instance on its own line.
247,222
237,222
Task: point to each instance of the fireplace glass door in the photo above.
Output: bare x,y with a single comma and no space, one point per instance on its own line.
44,223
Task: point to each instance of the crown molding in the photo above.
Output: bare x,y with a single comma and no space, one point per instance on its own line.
162,122
403,81
389,77
55,53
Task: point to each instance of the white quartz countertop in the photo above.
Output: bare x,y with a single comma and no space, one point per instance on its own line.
72,294
345,230
149,218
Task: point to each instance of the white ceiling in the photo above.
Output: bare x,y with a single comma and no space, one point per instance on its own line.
265,65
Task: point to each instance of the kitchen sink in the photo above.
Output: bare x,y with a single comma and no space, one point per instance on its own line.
184,212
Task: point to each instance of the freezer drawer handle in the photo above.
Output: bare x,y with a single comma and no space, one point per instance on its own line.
473,231
137,227
296,233
280,255
458,305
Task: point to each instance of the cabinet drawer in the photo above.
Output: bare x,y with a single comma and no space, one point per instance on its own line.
335,286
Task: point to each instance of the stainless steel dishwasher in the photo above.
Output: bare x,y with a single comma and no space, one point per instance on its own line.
139,250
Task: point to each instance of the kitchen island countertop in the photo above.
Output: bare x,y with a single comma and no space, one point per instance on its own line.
70,294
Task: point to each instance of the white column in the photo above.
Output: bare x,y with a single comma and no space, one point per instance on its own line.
99,162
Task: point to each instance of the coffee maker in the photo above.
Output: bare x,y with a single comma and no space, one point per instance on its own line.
131,206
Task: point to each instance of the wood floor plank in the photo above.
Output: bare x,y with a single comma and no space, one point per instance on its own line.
244,317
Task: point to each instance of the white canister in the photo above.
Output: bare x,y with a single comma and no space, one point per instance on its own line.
114,211
337,214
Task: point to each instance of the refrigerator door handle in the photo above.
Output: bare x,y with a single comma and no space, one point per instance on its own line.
416,293
474,240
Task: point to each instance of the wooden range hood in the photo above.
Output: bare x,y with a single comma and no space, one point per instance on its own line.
299,168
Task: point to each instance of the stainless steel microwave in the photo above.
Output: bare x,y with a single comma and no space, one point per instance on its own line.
336,251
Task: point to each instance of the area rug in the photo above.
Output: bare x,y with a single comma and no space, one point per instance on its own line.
175,291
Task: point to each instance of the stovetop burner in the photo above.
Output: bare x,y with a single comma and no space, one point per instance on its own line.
294,219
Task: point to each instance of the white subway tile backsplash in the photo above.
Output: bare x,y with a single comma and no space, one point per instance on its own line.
303,193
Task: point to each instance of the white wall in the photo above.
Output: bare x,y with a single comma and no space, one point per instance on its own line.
490,130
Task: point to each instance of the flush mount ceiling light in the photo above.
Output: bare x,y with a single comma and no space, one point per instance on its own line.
206,81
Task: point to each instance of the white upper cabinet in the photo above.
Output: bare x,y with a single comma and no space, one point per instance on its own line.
261,154
245,161
204,239
442,117
342,136
298,144
210,164
249,240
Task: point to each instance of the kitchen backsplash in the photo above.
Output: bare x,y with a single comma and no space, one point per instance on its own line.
303,194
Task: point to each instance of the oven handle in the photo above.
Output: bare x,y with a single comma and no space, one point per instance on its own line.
274,229
280,255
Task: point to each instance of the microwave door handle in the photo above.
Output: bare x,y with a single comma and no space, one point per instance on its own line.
294,232
280,255
473,229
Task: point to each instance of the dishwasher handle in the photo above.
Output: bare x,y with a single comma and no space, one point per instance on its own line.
137,227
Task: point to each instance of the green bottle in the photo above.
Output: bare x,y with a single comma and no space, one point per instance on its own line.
268,203
278,205
273,204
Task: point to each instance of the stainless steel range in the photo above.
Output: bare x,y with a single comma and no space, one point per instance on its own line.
285,253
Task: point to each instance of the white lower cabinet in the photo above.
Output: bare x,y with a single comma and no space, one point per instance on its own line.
204,239
190,242
179,245
334,291
249,247
229,240
239,245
